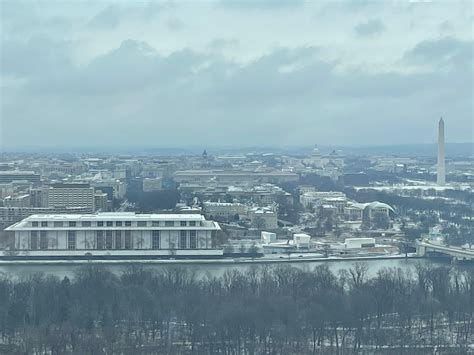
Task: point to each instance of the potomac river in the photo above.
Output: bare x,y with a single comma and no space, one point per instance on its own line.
19,270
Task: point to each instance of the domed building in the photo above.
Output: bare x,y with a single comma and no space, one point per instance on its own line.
357,211
315,158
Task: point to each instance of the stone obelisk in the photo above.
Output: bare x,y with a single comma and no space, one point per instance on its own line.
441,177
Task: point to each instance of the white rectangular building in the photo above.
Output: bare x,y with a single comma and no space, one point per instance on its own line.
115,234
357,243
267,237
317,198
224,210
301,240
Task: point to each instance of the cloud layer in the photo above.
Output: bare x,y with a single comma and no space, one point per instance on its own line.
234,74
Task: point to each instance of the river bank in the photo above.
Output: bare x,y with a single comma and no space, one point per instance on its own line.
296,258
202,269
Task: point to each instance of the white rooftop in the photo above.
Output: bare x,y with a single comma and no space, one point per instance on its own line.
16,172
209,203
117,216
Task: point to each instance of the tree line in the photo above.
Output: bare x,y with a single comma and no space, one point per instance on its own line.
261,310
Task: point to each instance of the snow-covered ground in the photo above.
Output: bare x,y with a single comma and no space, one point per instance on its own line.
417,185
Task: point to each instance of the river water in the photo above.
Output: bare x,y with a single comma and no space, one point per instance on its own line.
202,269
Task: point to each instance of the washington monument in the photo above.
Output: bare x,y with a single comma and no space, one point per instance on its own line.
441,177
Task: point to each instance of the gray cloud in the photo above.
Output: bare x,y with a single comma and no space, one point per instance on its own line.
223,43
370,28
259,4
446,27
112,16
175,24
108,18
135,94
447,51
229,78
33,57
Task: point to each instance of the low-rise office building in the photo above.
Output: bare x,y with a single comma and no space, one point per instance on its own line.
116,235
263,218
117,188
262,194
22,200
152,184
369,209
234,176
317,198
224,210
353,213
17,175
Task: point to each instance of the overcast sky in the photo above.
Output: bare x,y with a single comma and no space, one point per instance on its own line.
235,73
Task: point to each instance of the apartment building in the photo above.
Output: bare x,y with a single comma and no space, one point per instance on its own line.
71,195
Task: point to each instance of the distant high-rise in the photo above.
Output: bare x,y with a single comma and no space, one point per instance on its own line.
441,177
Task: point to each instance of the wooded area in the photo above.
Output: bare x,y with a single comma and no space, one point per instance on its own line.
264,310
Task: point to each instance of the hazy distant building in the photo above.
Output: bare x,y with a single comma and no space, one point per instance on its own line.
39,197
306,188
63,169
17,175
102,202
163,169
6,190
317,198
234,176
369,209
315,159
227,211
152,184
354,179
441,176
262,194
22,200
118,187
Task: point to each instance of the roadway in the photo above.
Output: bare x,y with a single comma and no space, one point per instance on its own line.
457,252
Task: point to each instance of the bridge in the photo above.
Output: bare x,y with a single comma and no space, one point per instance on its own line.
423,247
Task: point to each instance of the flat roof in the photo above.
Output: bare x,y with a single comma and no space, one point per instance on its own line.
17,172
117,216
70,185
223,204
231,172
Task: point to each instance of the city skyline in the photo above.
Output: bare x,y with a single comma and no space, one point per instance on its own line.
236,176
413,150
234,73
